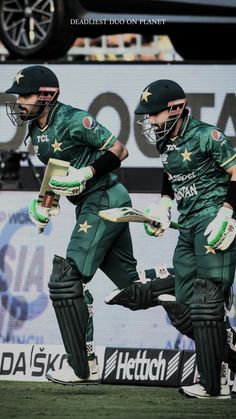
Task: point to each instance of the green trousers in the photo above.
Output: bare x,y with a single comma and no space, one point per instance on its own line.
194,258
96,243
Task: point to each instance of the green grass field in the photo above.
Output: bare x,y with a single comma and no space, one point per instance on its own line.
47,400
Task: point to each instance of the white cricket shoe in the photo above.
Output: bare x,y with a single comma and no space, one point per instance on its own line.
198,391
67,376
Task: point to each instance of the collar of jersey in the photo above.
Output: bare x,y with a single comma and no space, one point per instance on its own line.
184,125
51,115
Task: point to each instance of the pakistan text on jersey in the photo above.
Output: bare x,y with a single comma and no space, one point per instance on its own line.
186,192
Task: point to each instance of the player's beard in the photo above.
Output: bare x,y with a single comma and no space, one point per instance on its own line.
21,115
30,113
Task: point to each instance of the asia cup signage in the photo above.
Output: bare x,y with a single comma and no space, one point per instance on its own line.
25,267
22,296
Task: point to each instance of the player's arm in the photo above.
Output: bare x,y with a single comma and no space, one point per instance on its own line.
221,231
161,211
230,200
75,182
110,160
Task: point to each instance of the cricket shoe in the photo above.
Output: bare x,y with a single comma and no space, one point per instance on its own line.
67,376
198,391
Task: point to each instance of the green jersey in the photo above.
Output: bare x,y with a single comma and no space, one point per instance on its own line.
196,162
73,135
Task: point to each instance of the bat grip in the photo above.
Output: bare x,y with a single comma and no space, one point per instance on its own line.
40,230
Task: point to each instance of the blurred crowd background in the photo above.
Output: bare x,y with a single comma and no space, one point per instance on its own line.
122,47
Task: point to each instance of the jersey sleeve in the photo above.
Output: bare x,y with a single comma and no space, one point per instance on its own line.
86,130
218,146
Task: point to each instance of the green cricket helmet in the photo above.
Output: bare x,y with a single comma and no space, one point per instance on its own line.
36,79
157,97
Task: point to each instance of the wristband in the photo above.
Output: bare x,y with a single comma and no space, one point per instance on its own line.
231,194
167,187
106,163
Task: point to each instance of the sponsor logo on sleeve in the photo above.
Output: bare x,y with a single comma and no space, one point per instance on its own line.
217,135
89,122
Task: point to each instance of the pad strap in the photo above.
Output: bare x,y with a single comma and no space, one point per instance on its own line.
66,293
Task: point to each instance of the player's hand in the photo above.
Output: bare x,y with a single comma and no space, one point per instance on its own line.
221,231
38,215
72,184
161,212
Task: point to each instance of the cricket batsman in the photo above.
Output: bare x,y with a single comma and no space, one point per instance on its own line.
60,131
200,173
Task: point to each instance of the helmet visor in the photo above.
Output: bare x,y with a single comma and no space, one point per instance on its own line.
19,117
154,132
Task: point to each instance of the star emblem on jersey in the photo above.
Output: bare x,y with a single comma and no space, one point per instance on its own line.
186,155
18,77
56,146
145,95
210,249
84,227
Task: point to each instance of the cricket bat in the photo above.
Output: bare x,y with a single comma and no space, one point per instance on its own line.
46,197
128,214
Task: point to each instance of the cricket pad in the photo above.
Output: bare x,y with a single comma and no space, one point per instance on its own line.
66,293
179,315
143,295
207,314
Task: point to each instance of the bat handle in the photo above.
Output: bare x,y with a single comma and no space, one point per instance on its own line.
174,225
40,230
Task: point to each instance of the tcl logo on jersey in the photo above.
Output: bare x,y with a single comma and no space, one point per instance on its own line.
172,147
42,138
150,366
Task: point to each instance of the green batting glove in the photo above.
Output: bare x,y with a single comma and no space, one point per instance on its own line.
221,231
72,184
153,229
160,217
38,215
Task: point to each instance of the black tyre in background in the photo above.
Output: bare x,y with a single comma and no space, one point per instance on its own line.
35,28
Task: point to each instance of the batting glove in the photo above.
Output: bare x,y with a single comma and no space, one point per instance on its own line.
162,215
222,230
72,184
39,215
